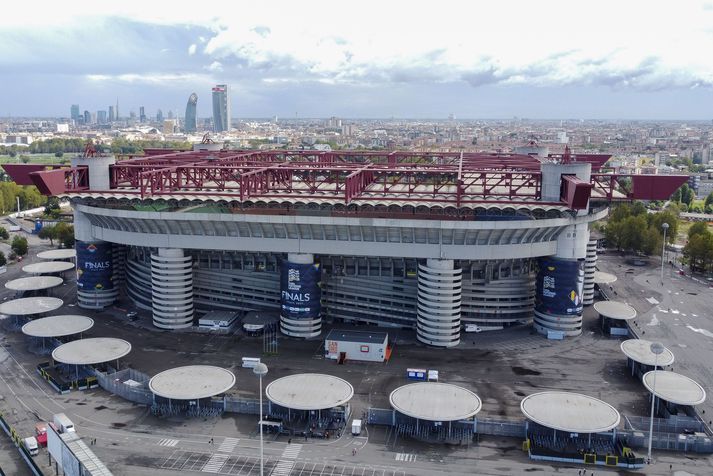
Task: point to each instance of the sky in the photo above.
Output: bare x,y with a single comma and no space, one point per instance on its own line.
573,59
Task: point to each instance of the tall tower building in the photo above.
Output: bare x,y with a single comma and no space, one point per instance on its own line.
142,114
74,112
159,116
221,108
112,117
117,109
191,122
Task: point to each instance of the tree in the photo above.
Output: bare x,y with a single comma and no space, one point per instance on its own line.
686,194
4,235
59,154
3,260
697,228
65,234
19,245
52,209
48,233
24,159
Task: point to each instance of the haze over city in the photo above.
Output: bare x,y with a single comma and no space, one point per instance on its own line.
629,60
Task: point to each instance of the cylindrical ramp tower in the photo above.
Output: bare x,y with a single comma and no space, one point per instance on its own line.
590,267
95,284
172,289
439,300
558,299
300,296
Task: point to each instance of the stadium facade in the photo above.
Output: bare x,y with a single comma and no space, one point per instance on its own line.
419,240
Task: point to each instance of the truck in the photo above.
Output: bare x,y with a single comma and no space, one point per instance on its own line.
30,444
356,427
41,433
63,424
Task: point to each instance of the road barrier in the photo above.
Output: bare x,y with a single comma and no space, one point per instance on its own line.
17,440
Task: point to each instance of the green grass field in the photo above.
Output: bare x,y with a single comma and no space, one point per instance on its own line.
34,159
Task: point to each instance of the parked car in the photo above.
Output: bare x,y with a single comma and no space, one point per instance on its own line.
132,315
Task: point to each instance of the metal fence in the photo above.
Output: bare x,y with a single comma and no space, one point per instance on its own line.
672,424
115,383
247,406
488,426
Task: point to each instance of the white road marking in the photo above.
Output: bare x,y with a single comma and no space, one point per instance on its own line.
405,457
705,332
228,445
168,442
215,463
654,321
652,300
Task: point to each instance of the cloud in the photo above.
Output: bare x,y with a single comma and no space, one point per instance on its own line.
215,67
192,49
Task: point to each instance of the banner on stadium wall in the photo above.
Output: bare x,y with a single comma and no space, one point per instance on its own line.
94,265
559,286
300,291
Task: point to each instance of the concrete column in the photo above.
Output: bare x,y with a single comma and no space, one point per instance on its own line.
98,170
172,289
119,264
438,303
300,296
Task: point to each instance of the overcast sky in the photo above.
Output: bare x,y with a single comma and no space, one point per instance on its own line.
486,59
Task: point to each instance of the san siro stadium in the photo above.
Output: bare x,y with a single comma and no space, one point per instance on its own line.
429,241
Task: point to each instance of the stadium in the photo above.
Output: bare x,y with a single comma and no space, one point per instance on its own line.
427,241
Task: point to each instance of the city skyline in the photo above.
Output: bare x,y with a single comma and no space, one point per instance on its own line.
628,60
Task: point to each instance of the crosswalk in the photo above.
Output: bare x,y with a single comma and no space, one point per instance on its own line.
168,442
405,457
292,451
215,463
228,445
286,463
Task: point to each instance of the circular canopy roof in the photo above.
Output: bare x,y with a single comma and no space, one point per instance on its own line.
309,391
435,401
675,388
30,306
57,326
571,412
91,351
192,382
34,283
615,310
57,254
639,351
47,267
601,277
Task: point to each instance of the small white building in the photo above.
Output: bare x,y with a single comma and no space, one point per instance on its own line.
218,320
347,344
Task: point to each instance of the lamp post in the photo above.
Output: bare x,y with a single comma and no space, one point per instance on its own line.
260,370
657,349
664,225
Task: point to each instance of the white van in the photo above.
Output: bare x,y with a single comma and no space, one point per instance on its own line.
63,424
356,427
473,328
30,444
250,362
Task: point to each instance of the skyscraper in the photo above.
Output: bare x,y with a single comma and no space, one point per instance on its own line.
74,112
101,117
142,114
87,117
159,116
221,108
191,122
117,109
111,114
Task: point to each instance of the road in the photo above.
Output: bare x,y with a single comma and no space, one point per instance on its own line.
678,313
500,367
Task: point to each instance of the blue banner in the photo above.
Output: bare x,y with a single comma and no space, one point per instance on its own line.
94,265
300,290
559,286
